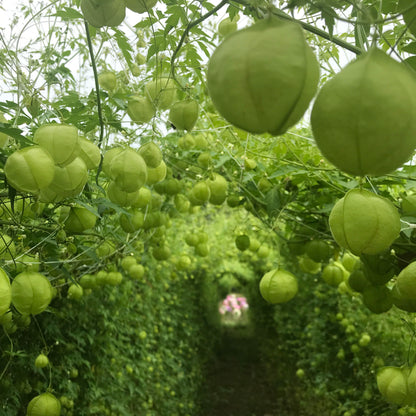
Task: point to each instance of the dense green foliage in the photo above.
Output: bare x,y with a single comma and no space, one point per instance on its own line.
223,208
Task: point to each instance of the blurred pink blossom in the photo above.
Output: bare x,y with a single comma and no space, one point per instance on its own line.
234,304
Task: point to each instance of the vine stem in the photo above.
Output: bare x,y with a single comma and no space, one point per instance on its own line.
310,28
188,28
51,229
412,330
321,33
2,374
46,348
97,87
18,70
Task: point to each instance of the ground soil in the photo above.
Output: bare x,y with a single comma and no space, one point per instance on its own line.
236,383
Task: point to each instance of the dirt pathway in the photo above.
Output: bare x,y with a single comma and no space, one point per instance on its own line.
236,385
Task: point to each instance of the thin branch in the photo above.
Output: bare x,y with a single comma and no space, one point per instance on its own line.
186,32
97,87
312,29
322,34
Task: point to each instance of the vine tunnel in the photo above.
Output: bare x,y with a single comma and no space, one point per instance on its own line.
141,207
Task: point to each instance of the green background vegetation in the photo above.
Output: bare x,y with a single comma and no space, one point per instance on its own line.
145,346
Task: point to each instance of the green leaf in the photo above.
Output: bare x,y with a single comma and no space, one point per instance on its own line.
329,21
69,14
232,11
221,160
145,23
410,48
389,6
409,14
411,62
284,170
179,13
296,3
204,48
6,105
124,45
15,133
153,50
171,23
273,202
193,56
208,6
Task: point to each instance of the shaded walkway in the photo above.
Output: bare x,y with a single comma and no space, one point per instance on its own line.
236,384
